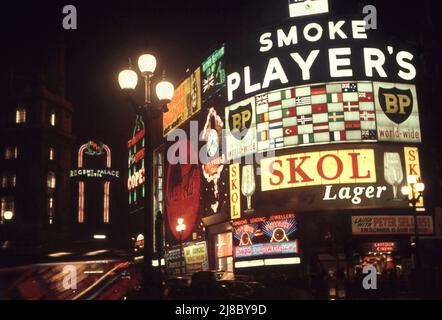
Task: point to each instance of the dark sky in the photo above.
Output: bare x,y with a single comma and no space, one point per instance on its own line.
180,33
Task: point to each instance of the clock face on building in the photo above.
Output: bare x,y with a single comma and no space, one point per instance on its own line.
212,143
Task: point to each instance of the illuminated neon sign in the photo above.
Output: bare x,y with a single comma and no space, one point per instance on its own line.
94,149
136,166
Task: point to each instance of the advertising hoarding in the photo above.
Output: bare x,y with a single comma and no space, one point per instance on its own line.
391,225
185,103
322,113
265,236
329,179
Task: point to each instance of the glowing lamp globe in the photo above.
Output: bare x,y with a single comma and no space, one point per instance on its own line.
8,215
420,187
147,63
128,79
405,190
164,90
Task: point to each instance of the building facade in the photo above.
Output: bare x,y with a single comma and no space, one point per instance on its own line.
36,142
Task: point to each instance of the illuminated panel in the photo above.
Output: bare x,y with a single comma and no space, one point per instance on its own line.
106,202
80,202
412,167
186,102
306,8
263,249
318,168
397,112
235,195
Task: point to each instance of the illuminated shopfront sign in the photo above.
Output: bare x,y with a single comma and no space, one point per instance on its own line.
94,173
412,166
391,225
262,236
379,247
94,163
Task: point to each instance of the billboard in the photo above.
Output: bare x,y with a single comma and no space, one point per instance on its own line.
321,113
391,225
397,112
345,178
265,236
183,194
185,103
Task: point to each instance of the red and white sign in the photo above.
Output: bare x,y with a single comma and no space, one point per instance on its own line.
391,225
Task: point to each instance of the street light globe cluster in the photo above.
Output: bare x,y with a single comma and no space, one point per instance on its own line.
415,186
147,63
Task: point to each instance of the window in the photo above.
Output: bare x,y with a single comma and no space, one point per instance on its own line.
9,180
51,180
11,153
51,153
51,209
7,209
20,115
52,118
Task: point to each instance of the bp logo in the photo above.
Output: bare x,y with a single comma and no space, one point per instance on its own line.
397,104
240,121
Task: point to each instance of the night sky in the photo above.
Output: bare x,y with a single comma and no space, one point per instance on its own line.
180,33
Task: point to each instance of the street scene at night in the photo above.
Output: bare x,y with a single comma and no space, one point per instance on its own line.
242,151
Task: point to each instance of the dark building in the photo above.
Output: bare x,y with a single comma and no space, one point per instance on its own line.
36,143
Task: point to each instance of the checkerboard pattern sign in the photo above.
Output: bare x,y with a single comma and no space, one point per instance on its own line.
341,111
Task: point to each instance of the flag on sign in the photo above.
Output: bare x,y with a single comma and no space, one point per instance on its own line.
352,125
263,135
334,97
264,117
275,124
349,87
365,96
351,106
335,116
367,116
262,99
290,131
306,138
288,113
368,134
276,143
303,101
337,136
321,89
319,108
305,119
320,127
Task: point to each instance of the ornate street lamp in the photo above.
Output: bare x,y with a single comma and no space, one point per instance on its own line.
413,193
128,80
180,228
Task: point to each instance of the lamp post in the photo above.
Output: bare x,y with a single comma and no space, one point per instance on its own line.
410,192
128,80
180,229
